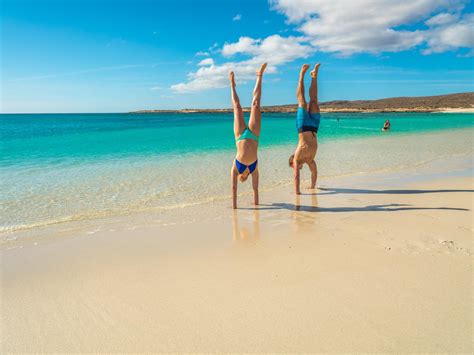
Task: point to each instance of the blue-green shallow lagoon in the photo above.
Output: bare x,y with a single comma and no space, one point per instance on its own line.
66,167
55,138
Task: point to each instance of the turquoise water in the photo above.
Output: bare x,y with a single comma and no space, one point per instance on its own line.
59,138
63,167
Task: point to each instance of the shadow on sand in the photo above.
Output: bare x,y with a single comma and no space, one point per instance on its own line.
393,207
337,190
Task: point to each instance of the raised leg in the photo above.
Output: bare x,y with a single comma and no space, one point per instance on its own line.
313,90
255,114
239,121
300,88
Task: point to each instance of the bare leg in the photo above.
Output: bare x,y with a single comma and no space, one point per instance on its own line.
313,90
314,108
300,88
255,114
239,121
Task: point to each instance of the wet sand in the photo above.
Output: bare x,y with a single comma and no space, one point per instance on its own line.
363,265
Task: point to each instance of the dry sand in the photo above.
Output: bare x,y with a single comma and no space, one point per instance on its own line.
359,267
457,110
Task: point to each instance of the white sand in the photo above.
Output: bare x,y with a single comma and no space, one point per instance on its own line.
361,270
457,110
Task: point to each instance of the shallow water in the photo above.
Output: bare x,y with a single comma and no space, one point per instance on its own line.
56,168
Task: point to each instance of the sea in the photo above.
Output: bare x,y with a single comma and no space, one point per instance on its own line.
57,168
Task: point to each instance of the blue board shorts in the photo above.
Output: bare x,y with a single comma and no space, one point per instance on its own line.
307,122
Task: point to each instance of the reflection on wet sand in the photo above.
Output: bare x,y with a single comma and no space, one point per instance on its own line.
304,220
249,230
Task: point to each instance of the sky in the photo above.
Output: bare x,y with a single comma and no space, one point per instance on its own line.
126,55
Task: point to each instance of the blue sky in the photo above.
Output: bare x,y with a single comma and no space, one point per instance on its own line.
115,56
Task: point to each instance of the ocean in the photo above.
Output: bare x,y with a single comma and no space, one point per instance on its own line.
65,167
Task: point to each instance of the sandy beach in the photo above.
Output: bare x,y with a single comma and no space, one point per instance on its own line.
379,263
219,177
457,110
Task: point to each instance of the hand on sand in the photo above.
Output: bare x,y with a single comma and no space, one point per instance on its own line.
262,69
314,72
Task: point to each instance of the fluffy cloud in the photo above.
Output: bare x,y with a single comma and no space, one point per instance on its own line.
450,35
237,17
243,45
349,27
443,18
344,27
274,50
207,61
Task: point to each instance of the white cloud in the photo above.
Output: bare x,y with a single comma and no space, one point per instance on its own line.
243,45
274,50
202,54
442,19
343,27
237,17
205,62
349,27
451,35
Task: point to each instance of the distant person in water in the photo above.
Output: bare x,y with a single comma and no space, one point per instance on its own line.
386,125
307,124
246,138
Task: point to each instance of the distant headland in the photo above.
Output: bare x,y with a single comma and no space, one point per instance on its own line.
462,102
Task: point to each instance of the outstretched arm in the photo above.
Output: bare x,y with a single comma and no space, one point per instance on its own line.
314,173
296,171
233,182
255,178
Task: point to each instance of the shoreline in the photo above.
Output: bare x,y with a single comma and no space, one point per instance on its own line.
369,264
457,110
323,110
11,238
90,218
458,103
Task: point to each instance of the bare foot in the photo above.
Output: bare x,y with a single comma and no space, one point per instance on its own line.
314,72
232,78
304,68
262,69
